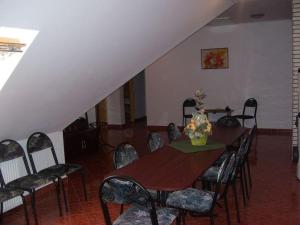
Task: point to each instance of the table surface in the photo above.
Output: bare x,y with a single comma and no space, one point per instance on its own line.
168,169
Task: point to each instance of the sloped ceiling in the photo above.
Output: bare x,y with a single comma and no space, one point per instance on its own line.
85,50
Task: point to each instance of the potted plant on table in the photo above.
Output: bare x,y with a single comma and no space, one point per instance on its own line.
199,127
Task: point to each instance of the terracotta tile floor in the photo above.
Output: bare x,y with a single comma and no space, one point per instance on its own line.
274,199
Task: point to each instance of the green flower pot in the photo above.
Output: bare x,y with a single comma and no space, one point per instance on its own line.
199,141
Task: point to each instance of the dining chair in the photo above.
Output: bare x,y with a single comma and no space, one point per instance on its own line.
142,209
155,141
173,132
10,193
12,150
38,142
124,155
250,104
188,105
196,201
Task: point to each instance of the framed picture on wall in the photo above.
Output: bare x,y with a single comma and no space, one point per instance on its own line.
214,58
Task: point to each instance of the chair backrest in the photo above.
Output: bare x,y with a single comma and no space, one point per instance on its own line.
190,104
36,142
124,154
10,150
155,141
250,103
228,121
173,132
114,187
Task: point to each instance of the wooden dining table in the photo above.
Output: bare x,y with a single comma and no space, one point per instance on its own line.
168,169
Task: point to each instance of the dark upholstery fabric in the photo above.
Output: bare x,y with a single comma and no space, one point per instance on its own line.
10,150
37,142
228,121
29,182
155,141
141,216
7,194
60,170
124,155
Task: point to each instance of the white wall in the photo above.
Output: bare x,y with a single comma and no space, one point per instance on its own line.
115,107
15,168
259,67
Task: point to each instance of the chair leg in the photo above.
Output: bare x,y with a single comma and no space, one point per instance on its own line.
64,194
1,212
84,184
33,206
25,210
249,172
212,220
178,220
242,186
121,209
236,201
57,188
227,209
245,180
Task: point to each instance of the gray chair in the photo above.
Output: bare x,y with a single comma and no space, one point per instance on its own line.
39,141
142,210
173,132
11,150
201,202
155,141
10,193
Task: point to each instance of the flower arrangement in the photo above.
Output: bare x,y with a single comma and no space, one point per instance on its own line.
199,127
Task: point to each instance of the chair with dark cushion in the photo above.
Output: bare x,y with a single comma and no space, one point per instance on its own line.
188,103
199,202
155,141
228,121
11,150
142,210
173,132
39,141
10,193
252,104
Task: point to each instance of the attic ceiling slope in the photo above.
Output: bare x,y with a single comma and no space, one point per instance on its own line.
84,51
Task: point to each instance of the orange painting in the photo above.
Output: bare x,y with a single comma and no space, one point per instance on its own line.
214,58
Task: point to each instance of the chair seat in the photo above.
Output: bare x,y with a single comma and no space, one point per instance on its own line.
60,170
191,199
29,182
7,194
211,174
141,216
244,117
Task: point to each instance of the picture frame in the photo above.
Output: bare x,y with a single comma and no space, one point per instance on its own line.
214,58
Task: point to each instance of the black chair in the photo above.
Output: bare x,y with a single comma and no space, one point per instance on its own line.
252,104
228,122
188,103
10,150
155,141
173,132
142,210
39,141
10,193
199,202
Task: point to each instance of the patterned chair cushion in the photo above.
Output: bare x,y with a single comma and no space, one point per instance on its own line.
211,174
141,216
155,141
60,170
173,132
29,182
191,199
6,194
125,155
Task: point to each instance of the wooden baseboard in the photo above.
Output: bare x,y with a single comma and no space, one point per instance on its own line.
260,131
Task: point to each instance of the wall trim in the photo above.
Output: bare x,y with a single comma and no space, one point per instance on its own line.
261,131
